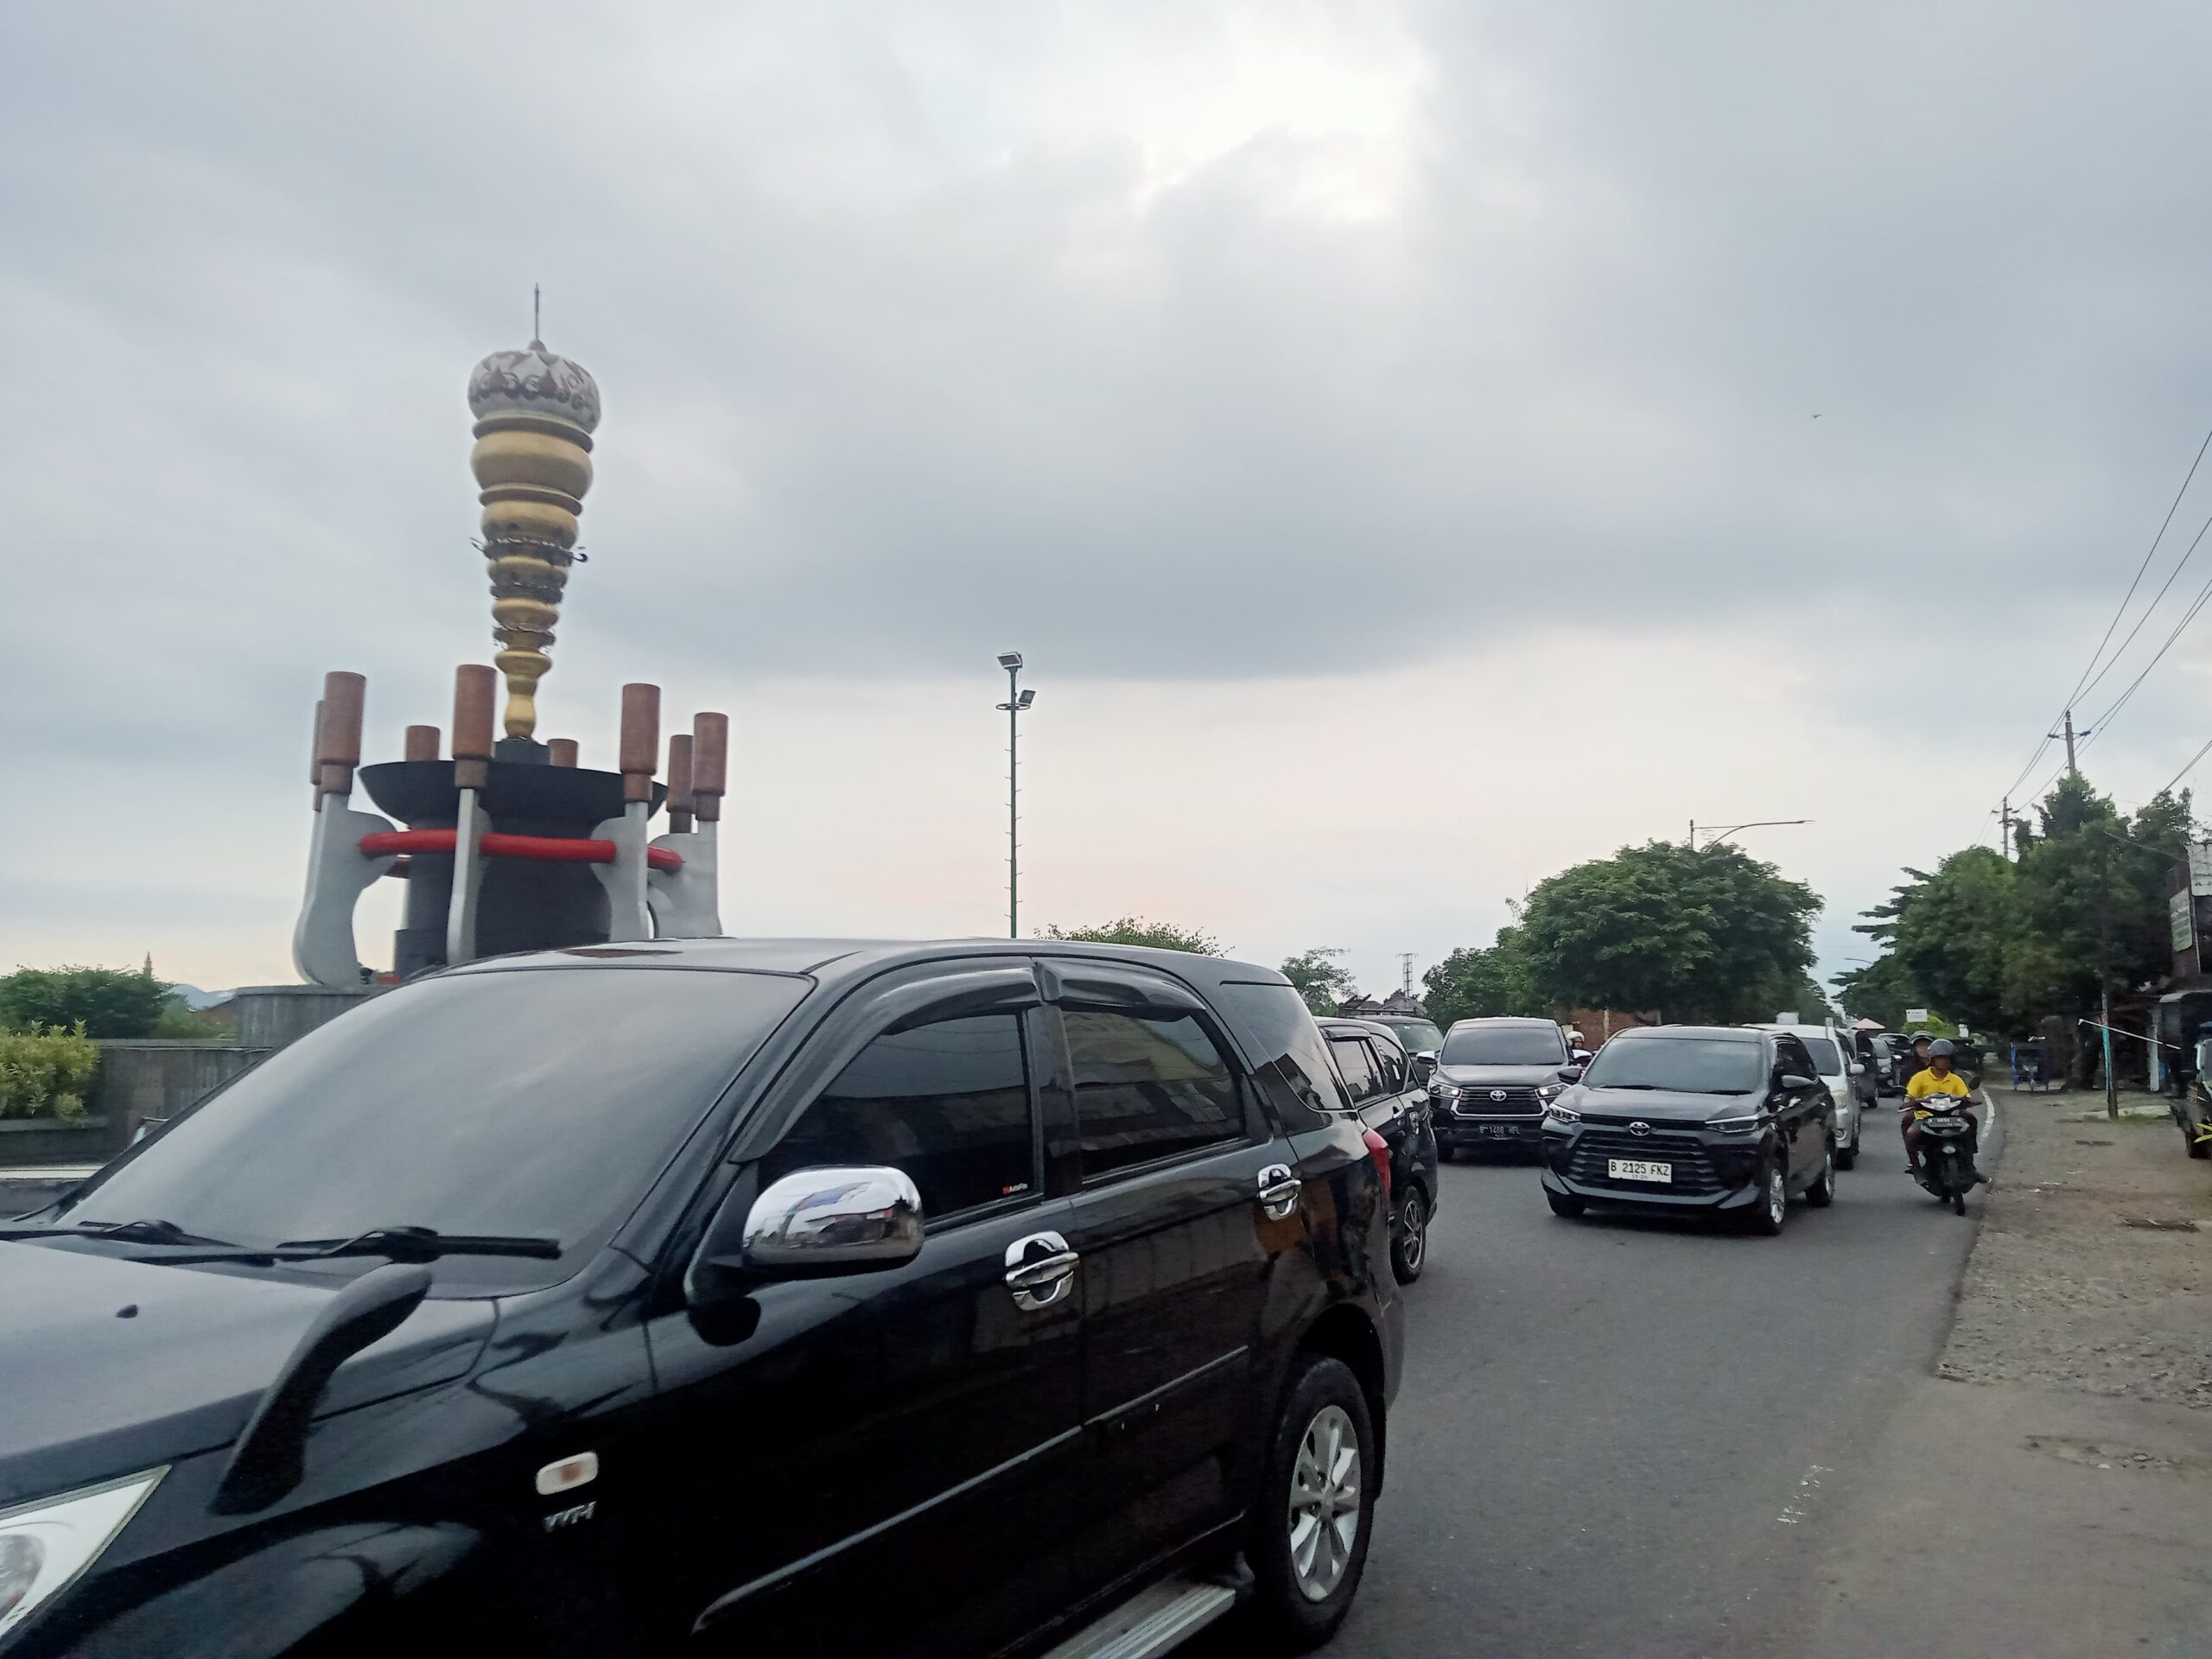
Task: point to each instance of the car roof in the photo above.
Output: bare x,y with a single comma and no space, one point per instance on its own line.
850,959
1823,1029
1645,1034
1506,1020
1360,1023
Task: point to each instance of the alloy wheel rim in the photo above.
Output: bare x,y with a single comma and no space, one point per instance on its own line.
1416,1231
1324,1503
1778,1196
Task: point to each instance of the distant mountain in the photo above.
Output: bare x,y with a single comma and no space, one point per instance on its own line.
192,997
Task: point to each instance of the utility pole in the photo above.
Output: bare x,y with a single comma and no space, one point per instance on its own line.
1016,700
2005,832
2072,770
2112,1089
1406,972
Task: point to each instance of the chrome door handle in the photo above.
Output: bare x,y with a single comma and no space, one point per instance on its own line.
1038,1270
1279,1191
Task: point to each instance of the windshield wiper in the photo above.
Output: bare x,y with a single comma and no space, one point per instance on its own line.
393,1243
1621,1085
129,1232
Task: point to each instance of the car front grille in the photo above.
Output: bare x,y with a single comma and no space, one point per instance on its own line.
1477,1101
1693,1171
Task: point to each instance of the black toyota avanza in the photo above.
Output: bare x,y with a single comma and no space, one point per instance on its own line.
713,1297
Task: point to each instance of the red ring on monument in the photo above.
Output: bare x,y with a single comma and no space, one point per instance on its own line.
546,849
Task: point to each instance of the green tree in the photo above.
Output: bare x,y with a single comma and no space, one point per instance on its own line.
1135,929
1881,990
1481,982
1320,978
1958,935
1703,935
105,1001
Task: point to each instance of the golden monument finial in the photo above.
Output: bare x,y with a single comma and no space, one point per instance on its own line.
534,413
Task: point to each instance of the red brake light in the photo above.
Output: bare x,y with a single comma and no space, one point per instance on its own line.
1378,1150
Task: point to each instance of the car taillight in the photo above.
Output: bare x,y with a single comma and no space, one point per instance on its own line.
1378,1150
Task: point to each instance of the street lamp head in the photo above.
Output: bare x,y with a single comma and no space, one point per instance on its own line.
1009,659
1025,700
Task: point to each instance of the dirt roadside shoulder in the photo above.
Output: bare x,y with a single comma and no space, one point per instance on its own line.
2047,1493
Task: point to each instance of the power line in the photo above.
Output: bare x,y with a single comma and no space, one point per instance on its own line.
2083,680
2113,661
2188,616
2190,767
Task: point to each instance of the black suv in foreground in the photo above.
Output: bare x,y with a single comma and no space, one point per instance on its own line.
1493,1079
1693,1118
717,1296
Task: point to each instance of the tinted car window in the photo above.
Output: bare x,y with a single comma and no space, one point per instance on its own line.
1826,1059
1390,1061
540,1103
1147,1087
1789,1055
1503,1045
1282,1040
948,1102
1720,1065
1361,1081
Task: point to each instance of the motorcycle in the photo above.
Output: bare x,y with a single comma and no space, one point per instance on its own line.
1948,1141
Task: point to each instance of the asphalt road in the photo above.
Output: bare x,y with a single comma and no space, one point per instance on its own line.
1624,1437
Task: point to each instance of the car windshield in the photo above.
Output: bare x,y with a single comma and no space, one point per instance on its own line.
1696,1065
1826,1060
1503,1045
533,1101
1419,1036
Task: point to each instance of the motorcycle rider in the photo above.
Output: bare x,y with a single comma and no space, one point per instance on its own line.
1938,1079
1915,1060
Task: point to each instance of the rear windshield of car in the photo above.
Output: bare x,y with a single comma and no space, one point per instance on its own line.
1505,1045
537,1101
1418,1036
1826,1060
1695,1065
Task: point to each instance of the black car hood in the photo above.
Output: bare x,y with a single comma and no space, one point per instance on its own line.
88,1389
1500,1076
1660,1105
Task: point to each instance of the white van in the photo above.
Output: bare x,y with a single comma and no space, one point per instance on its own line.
1832,1055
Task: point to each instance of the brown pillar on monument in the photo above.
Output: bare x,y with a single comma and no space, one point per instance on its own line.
563,752
679,784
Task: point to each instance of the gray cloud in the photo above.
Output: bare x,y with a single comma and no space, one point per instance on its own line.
1172,342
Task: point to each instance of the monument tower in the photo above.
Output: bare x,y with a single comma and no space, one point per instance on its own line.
510,843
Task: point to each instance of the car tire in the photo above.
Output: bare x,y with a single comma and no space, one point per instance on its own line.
1847,1157
1304,1572
1822,1192
1409,1239
1563,1203
1767,1216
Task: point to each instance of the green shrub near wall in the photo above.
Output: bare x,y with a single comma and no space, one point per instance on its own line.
43,1072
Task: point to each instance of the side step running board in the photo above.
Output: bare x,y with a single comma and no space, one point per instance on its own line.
1155,1621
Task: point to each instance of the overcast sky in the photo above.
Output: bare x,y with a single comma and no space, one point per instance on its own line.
1389,431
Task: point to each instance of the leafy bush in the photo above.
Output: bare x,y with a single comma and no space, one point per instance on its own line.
1135,929
43,1073
105,1001
176,1021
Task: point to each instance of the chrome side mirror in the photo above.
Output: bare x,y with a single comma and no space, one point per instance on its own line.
1425,1064
813,1224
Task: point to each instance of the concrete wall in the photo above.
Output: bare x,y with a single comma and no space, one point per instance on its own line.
271,1016
147,1077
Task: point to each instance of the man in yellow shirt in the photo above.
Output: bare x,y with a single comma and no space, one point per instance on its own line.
1938,1079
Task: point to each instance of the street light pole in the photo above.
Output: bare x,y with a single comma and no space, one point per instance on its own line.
1016,700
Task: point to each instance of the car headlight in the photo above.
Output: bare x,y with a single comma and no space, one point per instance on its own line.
1558,1114
1444,1091
45,1545
1549,1092
1750,1125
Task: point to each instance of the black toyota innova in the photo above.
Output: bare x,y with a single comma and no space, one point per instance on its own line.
717,1297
